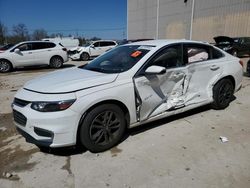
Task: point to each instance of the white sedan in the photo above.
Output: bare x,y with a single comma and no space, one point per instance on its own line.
128,86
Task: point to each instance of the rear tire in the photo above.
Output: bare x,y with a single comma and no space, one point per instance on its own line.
56,62
102,128
222,94
84,56
5,66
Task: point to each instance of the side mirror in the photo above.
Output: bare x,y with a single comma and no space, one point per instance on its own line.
154,69
92,46
17,50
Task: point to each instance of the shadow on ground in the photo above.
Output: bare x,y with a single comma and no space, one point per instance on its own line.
68,151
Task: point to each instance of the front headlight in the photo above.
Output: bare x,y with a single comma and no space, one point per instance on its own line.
52,106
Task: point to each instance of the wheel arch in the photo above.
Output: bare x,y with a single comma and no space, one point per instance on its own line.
229,77
56,56
84,51
7,61
108,101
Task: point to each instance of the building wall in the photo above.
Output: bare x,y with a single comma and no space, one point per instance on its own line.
211,18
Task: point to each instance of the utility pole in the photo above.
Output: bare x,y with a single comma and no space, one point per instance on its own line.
192,20
157,19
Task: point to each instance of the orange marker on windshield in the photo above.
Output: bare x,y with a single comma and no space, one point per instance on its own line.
136,53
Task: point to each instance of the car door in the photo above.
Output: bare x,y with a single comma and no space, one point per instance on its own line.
40,52
203,69
25,56
95,49
156,93
43,51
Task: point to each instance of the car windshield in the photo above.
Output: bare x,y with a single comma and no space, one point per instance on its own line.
87,44
118,60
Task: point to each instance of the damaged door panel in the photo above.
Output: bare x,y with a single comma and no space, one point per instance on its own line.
203,71
158,93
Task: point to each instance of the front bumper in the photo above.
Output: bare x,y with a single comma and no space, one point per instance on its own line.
53,129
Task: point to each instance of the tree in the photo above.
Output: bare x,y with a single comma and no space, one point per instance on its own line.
39,34
3,33
82,41
94,38
20,32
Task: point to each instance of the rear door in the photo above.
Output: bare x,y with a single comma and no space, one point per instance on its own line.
204,67
158,93
43,51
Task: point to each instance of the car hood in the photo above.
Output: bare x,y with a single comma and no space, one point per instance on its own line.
69,80
223,39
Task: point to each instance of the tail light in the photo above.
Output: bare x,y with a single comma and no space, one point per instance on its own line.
64,49
241,63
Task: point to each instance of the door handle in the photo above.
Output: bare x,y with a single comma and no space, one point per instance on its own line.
49,50
30,53
214,67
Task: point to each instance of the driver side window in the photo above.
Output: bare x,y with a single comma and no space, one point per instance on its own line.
25,47
96,44
169,57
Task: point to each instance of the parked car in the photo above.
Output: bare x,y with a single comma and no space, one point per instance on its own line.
248,67
6,47
92,49
236,46
126,87
33,53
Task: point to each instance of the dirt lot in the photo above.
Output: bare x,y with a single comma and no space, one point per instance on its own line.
181,151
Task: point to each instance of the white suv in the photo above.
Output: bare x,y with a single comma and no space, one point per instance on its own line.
31,53
93,49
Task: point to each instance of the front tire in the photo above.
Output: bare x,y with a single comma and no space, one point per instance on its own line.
56,62
84,56
5,66
222,94
102,128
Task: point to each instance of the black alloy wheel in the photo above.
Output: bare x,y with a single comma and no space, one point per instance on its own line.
84,56
222,94
102,128
56,62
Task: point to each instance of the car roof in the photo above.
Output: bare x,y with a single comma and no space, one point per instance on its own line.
103,41
34,41
163,42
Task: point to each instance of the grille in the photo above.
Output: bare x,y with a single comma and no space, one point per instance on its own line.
21,103
19,118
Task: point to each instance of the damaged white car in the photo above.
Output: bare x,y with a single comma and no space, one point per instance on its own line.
126,87
92,49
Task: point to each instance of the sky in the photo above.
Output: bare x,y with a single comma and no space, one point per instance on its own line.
106,19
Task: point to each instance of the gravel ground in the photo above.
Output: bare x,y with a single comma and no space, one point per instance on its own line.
180,151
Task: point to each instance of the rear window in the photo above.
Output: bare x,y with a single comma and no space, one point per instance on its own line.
216,54
107,43
50,45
